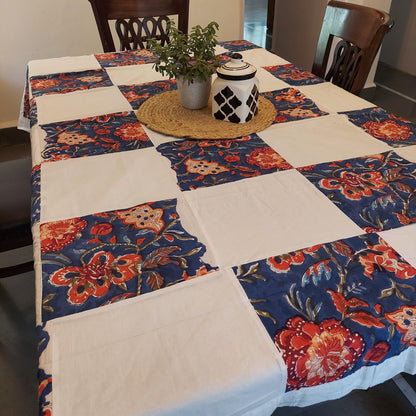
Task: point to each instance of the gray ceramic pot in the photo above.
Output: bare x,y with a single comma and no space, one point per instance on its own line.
194,95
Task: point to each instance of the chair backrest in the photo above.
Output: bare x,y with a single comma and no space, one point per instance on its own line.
137,21
361,30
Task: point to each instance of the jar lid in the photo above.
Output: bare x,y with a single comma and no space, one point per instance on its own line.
236,69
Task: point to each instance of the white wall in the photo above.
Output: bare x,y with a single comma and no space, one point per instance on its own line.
399,47
52,28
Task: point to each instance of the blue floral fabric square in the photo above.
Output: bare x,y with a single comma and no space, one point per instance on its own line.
238,45
335,307
376,192
33,112
393,130
92,136
293,75
35,195
133,57
292,105
202,163
103,258
69,82
136,95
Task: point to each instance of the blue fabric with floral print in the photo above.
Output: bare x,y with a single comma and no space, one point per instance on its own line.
335,307
293,75
238,45
201,163
133,57
94,136
393,130
136,95
376,192
292,105
69,82
35,195
103,258
33,112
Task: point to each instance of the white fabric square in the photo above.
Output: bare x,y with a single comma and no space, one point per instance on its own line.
64,64
193,348
328,96
265,216
403,240
407,152
101,183
134,74
321,139
80,104
268,82
260,57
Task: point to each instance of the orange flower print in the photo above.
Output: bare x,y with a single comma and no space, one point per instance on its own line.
43,84
143,217
267,158
354,185
388,130
404,320
73,139
317,354
96,277
292,95
299,112
91,78
58,234
204,167
386,258
131,131
106,56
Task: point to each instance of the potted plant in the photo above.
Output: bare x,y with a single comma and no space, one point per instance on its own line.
191,59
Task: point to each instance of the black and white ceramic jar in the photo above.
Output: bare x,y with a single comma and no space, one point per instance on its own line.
235,92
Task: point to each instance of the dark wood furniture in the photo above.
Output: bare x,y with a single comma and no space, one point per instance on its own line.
361,30
15,189
136,21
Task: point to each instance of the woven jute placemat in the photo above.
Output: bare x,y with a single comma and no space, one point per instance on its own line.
165,114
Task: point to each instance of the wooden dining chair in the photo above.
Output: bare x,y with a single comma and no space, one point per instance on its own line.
15,188
136,21
361,30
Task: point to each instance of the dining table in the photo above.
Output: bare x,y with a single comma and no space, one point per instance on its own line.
215,276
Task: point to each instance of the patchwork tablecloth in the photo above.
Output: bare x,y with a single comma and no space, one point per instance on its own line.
226,277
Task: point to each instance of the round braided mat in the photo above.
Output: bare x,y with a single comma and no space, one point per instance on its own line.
165,114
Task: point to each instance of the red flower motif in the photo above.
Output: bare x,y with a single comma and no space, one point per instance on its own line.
102,228
131,131
283,262
386,258
388,130
58,234
355,185
267,158
317,354
377,352
232,158
96,277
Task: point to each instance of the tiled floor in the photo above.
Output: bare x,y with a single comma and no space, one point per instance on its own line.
18,361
